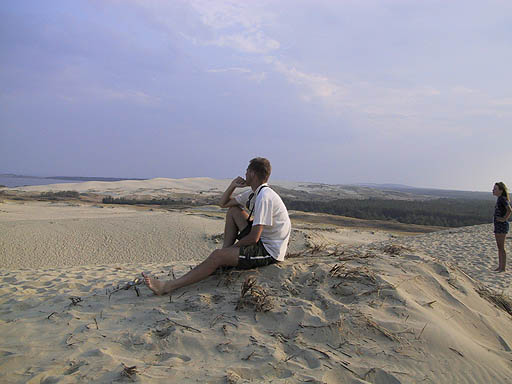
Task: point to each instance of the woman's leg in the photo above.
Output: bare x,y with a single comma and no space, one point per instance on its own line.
502,255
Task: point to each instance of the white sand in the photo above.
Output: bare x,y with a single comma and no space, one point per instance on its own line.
354,311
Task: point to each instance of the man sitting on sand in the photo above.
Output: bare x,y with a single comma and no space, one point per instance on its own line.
261,244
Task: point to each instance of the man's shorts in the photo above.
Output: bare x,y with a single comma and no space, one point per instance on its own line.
255,255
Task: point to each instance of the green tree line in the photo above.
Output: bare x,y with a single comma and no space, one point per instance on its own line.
436,212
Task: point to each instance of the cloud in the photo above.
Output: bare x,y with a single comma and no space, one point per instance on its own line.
506,102
311,85
251,41
254,76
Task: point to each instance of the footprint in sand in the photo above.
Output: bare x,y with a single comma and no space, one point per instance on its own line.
173,358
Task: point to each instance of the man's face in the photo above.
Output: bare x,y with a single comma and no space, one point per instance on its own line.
248,176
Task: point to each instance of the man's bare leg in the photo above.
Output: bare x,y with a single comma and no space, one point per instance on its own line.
218,258
236,220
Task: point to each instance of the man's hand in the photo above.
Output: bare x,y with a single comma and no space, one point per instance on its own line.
239,182
226,200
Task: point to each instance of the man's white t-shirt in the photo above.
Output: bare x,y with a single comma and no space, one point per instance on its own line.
269,211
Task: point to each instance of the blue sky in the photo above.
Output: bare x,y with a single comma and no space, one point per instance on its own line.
390,91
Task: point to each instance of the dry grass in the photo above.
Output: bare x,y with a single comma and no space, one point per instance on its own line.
129,372
345,272
293,255
503,302
394,250
254,295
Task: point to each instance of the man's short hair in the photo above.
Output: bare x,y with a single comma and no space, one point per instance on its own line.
261,167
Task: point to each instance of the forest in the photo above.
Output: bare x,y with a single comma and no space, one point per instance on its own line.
436,212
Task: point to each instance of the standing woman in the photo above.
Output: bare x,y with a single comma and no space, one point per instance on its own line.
502,212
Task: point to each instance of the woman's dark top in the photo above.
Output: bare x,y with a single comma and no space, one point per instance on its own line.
500,208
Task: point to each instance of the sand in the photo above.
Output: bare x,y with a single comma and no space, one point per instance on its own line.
353,305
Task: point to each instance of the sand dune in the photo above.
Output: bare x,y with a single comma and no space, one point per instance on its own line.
367,316
156,187
207,186
352,305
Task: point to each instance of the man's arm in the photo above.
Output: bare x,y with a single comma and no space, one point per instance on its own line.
252,238
226,200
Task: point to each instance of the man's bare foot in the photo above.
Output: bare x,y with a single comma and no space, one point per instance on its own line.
158,287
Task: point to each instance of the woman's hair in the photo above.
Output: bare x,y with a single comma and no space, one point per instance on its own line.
504,190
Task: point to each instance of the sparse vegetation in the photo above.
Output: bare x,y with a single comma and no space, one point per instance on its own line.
255,296
502,301
59,195
127,201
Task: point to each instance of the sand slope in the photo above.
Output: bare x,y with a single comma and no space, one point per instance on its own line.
367,315
38,234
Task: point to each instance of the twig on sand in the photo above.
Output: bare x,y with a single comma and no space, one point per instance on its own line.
421,333
248,356
184,326
129,372
292,356
181,295
75,300
69,338
50,315
319,351
454,350
342,363
381,329
214,321
337,350
96,322
127,286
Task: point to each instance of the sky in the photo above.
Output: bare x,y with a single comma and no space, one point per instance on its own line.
347,91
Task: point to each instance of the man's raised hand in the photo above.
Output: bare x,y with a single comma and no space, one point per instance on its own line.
239,182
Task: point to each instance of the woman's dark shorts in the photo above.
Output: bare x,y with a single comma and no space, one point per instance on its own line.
501,227
255,255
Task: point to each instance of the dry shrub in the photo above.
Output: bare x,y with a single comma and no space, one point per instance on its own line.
129,372
254,295
503,302
292,255
341,270
317,248
393,249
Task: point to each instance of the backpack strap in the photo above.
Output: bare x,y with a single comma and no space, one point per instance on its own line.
252,210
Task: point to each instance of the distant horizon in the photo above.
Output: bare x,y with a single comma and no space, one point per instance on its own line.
117,178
